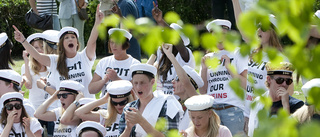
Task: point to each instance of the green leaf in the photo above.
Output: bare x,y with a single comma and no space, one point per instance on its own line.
171,17
235,85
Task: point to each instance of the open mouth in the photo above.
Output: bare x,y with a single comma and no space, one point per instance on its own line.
70,45
259,36
63,104
140,93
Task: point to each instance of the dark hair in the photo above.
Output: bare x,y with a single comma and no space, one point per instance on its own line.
62,64
14,87
4,115
165,64
5,57
125,45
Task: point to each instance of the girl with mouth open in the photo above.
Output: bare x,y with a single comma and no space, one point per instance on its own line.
68,64
119,94
14,118
69,94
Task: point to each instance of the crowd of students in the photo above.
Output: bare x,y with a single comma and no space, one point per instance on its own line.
62,88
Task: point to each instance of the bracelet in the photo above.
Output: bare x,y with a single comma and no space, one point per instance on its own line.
76,103
45,87
23,41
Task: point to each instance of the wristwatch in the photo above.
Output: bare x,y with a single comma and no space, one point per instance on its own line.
76,103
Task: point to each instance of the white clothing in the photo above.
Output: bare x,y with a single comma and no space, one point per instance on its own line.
120,66
185,121
79,70
218,78
113,130
167,86
253,118
20,131
61,130
258,72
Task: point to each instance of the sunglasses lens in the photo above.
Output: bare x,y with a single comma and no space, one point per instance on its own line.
64,96
122,103
279,80
18,106
176,79
289,81
9,107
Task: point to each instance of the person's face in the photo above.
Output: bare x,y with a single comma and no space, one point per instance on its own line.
70,43
142,86
89,134
38,45
65,102
115,48
264,36
119,103
12,106
178,87
200,119
272,80
3,87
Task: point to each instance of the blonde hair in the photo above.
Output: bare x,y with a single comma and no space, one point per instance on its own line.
48,50
34,64
304,113
213,125
62,64
111,115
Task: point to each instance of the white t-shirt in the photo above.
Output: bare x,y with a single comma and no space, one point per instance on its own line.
185,121
79,70
120,66
258,72
113,130
166,85
218,78
20,131
62,130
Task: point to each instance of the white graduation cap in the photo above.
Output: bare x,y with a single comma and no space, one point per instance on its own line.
143,69
71,86
219,22
11,76
3,39
123,31
91,126
11,96
68,30
195,77
199,102
185,39
119,88
34,37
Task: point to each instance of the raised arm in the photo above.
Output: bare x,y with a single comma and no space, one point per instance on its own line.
203,74
157,15
26,76
183,76
85,112
237,11
92,42
42,113
97,83
68,117
41,58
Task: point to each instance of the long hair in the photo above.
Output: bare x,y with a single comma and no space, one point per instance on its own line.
111,115
213,125
165,64
5,57
4,115
62,64
304,113
34,64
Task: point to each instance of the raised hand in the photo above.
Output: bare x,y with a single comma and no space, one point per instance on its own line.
18,36
11,116
25,56
167,48
79,96
99,15
26,124
156,13
115,9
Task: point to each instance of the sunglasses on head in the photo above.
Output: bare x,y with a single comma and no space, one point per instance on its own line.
121,103
64,95
281,80
10,106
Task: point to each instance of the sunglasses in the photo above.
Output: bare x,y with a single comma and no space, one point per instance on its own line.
176,79
64,95
10,106
121,103
281,80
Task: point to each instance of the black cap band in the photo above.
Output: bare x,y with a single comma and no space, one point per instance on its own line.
11,81
35,39
120,96
280,72
195,85
12,99
52,44
68,89
142,72
4,43
68,32
91,129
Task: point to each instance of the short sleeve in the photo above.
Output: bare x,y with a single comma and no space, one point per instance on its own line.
99,69
57,112
53,61
23,70
242,62
35,125
84,56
